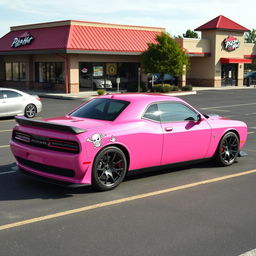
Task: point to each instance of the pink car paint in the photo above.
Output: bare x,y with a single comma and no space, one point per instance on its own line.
148,143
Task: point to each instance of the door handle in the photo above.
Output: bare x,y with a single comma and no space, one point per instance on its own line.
168,129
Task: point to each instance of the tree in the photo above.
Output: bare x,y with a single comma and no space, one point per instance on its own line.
165,57
190,34
250,37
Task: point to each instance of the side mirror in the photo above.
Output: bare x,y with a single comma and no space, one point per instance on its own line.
199,118
5,96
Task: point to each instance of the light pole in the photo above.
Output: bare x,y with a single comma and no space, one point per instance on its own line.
139,71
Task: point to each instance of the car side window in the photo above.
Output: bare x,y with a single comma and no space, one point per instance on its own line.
152,113
11,94
175,111
1,95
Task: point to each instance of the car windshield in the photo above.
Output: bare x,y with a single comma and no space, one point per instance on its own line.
101,109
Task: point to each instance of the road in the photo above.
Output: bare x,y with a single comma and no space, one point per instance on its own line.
193,210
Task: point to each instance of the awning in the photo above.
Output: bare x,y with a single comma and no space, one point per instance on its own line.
235,60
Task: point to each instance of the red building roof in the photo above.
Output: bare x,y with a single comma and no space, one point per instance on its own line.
222,23
81,37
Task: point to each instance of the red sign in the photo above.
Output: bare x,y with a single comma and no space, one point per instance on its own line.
231,43
84,70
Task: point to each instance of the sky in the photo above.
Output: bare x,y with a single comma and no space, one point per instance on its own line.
175,15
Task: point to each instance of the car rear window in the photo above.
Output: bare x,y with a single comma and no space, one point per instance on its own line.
101,109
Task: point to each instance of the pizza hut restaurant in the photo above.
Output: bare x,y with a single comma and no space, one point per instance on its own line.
70,56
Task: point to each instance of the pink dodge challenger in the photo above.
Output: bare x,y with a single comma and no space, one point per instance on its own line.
108,136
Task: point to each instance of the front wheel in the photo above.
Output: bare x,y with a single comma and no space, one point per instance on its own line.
227,150
30,111
109,169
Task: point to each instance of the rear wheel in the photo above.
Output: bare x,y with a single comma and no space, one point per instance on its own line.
109,169
227,150
30,111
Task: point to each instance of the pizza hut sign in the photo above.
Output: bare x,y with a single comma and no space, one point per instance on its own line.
23,39
231,43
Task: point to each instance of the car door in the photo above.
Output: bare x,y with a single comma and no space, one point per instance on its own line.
186,133
11,103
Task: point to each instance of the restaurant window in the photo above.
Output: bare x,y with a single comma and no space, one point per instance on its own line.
49,72
15,71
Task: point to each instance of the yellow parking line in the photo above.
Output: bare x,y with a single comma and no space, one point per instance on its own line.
122,200
5,146
5,130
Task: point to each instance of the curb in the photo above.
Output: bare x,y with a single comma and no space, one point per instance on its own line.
72,97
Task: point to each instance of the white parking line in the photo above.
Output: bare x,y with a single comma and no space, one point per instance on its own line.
231,106
249,253
251,114
219,110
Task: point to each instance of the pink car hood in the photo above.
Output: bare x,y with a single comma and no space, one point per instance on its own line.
82,123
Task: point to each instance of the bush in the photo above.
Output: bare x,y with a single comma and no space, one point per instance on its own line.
187,88
157,88
175,88
167,87
162,88
101,92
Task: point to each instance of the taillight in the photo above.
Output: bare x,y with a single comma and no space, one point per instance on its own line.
45,142
38,98
64,145
21,136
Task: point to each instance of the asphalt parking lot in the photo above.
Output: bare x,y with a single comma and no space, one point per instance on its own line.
194,210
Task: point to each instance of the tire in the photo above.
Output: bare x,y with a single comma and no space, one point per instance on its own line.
227,150
109,169
30,111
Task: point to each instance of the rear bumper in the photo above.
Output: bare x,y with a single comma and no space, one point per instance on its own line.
51,181
51,165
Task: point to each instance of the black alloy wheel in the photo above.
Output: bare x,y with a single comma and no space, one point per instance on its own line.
109,169
30,111
228,149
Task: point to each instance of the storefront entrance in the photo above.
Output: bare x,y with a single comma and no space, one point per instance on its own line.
229,74
94,76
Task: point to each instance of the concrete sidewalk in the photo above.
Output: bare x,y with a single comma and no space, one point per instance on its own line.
90,94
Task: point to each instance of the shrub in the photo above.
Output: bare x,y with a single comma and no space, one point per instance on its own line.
167,88
175,88
157,88
162,88
101,92
187,88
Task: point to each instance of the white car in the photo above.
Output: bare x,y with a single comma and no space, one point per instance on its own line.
14,102
101,83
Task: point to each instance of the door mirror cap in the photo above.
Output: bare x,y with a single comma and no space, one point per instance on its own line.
199,118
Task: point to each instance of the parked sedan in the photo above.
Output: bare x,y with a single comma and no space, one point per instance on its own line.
14,102
108,136
250,78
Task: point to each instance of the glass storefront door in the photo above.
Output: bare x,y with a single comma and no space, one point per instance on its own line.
229,74
94,76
